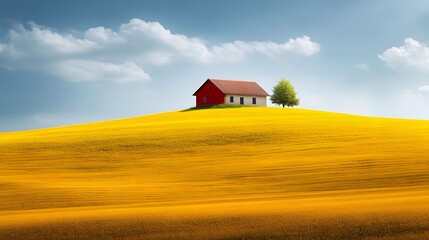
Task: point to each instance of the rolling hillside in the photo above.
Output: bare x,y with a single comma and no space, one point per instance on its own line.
242,173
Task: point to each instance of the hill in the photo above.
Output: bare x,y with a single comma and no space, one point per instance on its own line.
243,173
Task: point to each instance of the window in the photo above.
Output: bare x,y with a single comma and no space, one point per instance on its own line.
210,87
254,100
204,100
241,100
231,99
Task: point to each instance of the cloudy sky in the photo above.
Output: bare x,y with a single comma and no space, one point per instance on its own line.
67,62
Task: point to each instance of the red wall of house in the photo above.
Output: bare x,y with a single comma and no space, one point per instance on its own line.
212,94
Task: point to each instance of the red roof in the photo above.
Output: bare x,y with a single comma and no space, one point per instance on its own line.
235,87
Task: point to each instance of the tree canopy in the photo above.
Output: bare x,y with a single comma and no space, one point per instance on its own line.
284,94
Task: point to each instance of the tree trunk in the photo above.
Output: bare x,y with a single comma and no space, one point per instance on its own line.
283,105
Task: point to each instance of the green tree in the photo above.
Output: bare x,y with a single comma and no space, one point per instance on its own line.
284,94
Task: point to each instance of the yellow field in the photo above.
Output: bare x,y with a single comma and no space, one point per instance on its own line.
246,173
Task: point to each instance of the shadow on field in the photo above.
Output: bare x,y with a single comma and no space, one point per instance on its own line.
285,226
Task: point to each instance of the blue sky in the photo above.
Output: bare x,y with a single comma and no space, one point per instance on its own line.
67,62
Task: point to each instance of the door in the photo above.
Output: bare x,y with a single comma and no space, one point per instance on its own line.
241,100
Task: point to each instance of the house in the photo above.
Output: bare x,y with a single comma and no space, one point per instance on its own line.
217,91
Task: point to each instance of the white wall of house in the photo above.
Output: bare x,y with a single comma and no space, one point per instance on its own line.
260,101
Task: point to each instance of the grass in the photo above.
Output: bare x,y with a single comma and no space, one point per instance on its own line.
240,173
218,106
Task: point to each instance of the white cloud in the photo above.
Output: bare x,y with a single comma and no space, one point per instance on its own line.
154,33
67,57
412,54
100,71
43,41
424,88
158,58
238,50
101,54
362,66
231,52
302,45
103,35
